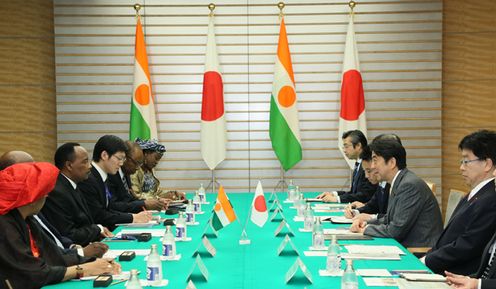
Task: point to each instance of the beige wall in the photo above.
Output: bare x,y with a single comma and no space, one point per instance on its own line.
469,79
27,78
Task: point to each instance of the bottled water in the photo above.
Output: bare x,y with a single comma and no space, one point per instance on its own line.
308,220
201,193
349,279
168,244
197,202
190,212
317,234
333,262
300,206
133,282
154,267
291,190
296,193
181,226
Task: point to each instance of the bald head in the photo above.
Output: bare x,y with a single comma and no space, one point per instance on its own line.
14,157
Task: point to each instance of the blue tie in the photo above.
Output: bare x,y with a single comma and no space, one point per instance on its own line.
108,194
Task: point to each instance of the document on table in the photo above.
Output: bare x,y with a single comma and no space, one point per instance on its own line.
423,277
373,273
371,256
343,231
405,284
139,225
373,249
380,282
116,253
341,220
154,232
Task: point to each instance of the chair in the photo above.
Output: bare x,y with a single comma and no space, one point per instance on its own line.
432,186
454,198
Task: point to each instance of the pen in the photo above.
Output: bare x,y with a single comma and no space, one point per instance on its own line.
118,282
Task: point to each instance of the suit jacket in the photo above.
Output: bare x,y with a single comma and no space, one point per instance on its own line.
66,209
378,203
94,192
413,216
122,199
458,249
491,281
361,189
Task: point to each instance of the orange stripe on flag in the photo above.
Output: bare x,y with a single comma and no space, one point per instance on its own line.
226,205
283,51
140,49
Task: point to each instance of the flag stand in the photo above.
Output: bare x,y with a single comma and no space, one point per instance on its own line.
213,182
244,239
281,184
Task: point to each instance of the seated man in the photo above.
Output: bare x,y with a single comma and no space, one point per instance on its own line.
66,207
109,154
120,185
413,216
459,248
28,257
377,206
361,189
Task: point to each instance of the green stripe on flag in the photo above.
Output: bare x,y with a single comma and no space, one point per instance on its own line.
284,142
216,223
138,126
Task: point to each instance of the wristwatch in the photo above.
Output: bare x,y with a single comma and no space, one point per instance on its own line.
79,272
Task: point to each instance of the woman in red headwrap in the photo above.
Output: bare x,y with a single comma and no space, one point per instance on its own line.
28,257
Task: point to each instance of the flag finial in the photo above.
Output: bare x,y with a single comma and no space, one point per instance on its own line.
352,5
211,6
137,7
281,5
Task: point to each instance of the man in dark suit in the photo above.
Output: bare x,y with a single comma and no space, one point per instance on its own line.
458,249
376,207
120,184
66,207
361,189
413,216
109,154
485,276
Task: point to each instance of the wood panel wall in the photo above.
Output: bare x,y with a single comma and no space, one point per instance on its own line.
27,78
399,42
469,79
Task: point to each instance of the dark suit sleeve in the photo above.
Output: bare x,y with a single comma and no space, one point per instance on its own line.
488,283
59,210
128,207
479,227
364,192
100,213
122,200
372,206
404,218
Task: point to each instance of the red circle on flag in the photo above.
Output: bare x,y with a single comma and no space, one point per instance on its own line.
286,96
259,204
352,97
142,94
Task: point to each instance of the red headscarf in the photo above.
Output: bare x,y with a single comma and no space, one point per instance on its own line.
25,183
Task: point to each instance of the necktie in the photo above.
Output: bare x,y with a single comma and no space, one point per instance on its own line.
124,181
485,275
108,195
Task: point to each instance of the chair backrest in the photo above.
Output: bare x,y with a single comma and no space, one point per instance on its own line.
454,198
432,186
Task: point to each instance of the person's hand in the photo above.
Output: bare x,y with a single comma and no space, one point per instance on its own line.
101,266
329,198
142,217
181,195
348,212
357,204
106,233
363,217
322,195
153,204
165,203
460,281
96,249
358,226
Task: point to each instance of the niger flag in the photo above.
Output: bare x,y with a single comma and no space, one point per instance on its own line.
223,211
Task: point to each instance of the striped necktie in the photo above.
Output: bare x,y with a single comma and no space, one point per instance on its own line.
485,275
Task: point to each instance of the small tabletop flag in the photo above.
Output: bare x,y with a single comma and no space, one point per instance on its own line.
352,114
259,213
223,211
143,123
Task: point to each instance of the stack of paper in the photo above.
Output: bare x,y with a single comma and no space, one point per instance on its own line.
374,249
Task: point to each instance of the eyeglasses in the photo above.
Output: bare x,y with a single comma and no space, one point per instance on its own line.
465,162
120,159
135,161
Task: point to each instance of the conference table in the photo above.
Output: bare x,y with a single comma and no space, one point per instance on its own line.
253,266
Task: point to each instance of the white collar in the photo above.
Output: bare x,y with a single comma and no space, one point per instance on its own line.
121,173
394,179
383,184
478,187
102,173
74,185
